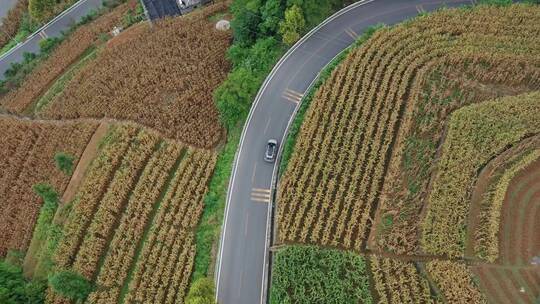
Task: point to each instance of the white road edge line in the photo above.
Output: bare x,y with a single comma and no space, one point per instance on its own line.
244,131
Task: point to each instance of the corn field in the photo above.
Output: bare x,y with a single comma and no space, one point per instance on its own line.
455,281
134,217
399,282
26,159
345,158
20,100
162,77
476,134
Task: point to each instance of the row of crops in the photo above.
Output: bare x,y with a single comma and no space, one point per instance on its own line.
389,155
310,274
378,89
130,229
26,159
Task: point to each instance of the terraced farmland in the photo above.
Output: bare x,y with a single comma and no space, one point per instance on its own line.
161,76
131,227
409,151
26,159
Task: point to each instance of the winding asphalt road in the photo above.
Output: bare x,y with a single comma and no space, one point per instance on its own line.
54,28
243,262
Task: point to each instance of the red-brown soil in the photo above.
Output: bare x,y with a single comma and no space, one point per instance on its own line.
514,279
517,234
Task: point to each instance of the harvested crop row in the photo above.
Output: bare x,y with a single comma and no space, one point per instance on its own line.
521,207
134,222
26,159
455,281
164,268
476,133
505,285
93,188
140,196
399,282
162,78
486,235
113,204
36,83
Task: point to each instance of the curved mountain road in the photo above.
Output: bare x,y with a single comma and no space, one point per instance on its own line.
53,28
243,261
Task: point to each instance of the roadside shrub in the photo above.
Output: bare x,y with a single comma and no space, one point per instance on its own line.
70,285
293,25
201,292
64,162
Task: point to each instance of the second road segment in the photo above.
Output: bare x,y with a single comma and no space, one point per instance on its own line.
243,260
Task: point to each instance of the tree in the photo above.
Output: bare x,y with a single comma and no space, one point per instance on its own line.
201,292
14,289
272,14
245,24
70,285
64,162
293,25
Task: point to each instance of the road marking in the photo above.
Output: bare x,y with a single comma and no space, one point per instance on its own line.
231,187
267,125
260,195
247,223
253,175
43,34
351,33
420,9
293,96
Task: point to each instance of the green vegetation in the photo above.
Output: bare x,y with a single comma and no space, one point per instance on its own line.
134,16
15,289
257,28
293,25
48,209
19,70
47,234
201,292
64,162
208,230
308,274
70,285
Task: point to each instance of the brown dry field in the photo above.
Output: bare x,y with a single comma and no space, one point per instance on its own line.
160,76
26,159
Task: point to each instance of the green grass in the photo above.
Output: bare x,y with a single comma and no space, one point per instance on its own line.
59,85
209,228
309,274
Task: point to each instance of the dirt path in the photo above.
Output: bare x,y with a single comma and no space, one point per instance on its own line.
88,155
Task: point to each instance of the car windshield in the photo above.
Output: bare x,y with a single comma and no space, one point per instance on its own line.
270,149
